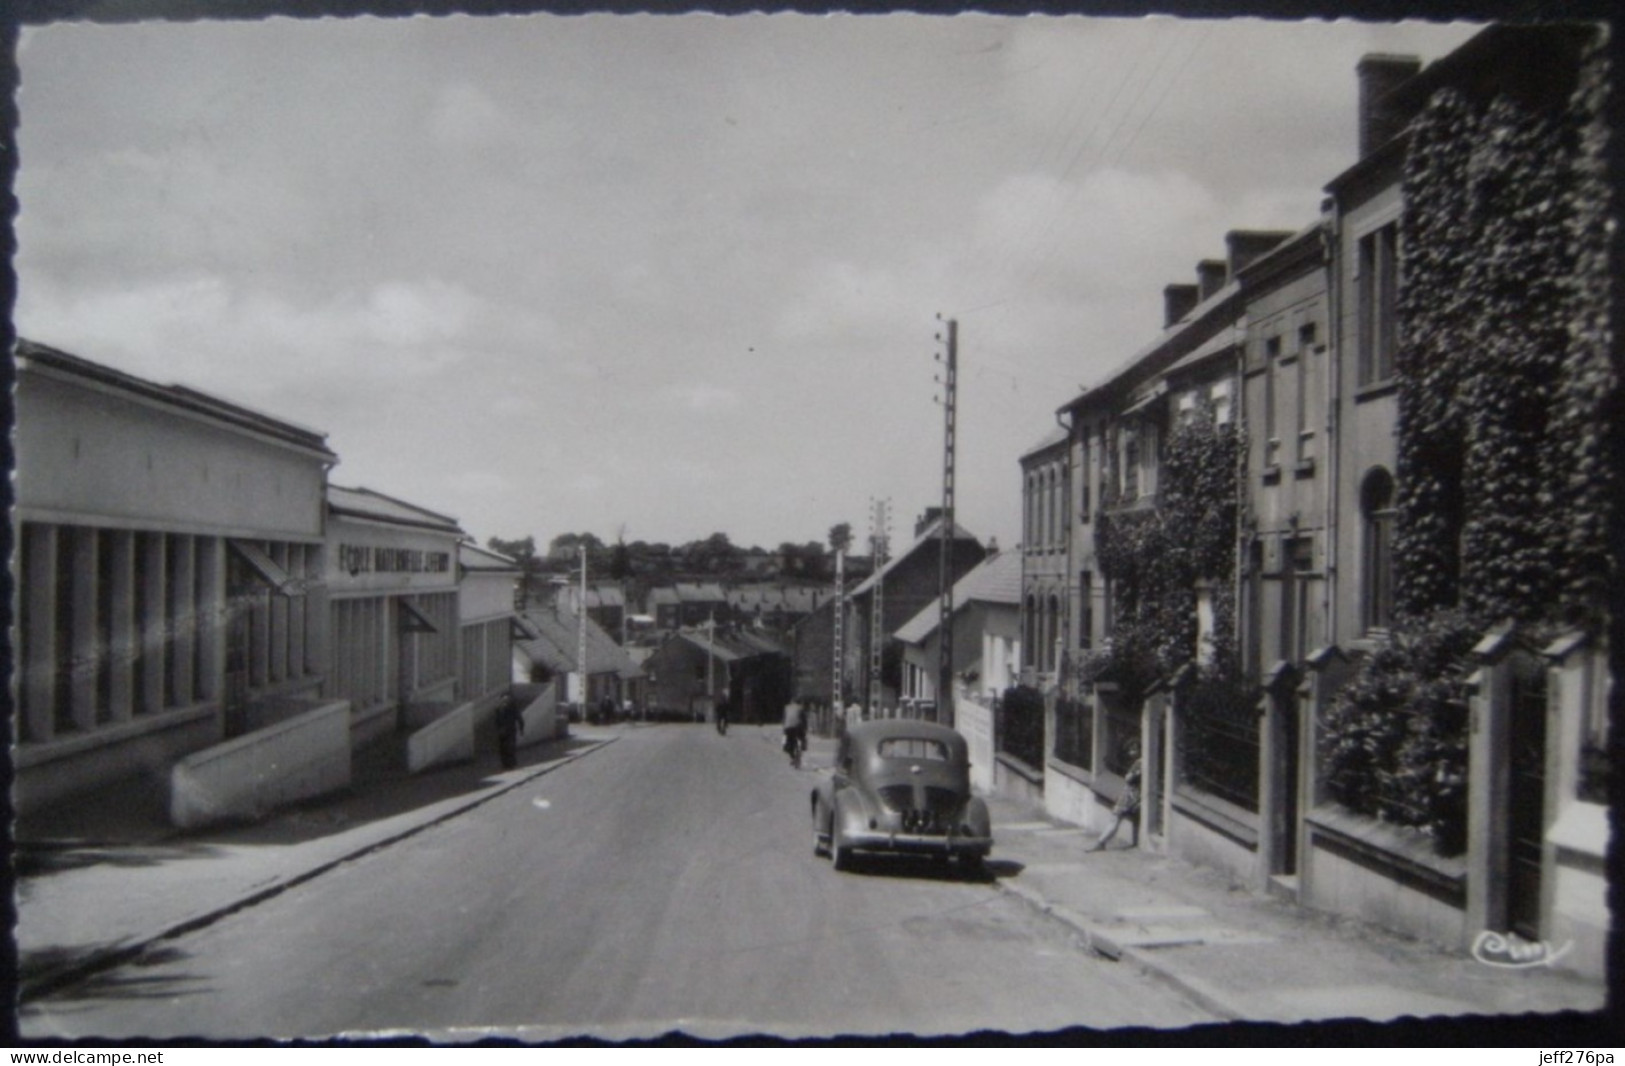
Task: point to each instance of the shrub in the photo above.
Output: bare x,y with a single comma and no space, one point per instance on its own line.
1394,741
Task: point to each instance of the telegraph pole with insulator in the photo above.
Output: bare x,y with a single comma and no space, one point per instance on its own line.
949,380
879,540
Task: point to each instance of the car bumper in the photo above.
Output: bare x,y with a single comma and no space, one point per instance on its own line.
919,844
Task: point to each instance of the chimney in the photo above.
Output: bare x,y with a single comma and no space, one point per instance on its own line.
1210,277
1379,76
1246,245
1177,301
931,515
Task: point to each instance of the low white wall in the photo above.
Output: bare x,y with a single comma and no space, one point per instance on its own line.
540,713
1068,797
1205,836
975,724
1358,867
63,769
449,738
1580,915
250,775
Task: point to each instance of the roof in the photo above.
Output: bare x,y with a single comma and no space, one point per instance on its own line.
1220,342
1058,435
929,534
178,396
376,507
997,579
471,556
1146,361
602,596
664,594
692,592
557,640
716,644
877,729
795,599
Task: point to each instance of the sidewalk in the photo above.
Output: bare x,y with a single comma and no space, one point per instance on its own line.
126,881
95,893
1246,956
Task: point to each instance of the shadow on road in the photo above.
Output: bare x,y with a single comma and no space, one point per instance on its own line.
926,868
83,974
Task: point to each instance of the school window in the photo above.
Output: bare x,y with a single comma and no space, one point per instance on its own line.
1376,303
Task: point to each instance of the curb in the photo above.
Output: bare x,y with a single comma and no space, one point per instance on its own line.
1099,940
99,961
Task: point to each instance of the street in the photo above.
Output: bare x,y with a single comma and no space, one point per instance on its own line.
667,882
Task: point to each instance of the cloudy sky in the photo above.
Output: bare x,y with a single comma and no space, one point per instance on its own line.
666,274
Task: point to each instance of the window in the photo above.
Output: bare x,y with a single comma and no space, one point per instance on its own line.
1272,431
1083,467
1378,288
1306,346
1376,576
1295,598
1086,609
917,748
1030,533
1131,464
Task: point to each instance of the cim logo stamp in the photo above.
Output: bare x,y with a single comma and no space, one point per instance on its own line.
1512,953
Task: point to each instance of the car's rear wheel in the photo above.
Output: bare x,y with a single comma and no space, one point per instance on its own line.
840,853
820,829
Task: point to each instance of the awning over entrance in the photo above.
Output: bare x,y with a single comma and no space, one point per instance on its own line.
412,620
267,569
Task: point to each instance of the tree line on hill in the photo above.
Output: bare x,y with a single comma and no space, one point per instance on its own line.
646,565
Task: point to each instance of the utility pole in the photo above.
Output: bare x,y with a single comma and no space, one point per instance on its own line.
581,632
945,646
878,540
837,689
710,638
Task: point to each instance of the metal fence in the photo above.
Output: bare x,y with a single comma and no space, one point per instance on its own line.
1218,749
1074,732
1018,725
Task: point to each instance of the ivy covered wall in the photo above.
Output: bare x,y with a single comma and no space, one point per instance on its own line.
1155,558
1508,404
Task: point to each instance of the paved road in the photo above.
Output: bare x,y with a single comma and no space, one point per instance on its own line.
666,882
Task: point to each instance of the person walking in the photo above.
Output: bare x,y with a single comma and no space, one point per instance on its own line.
510,723
1127,807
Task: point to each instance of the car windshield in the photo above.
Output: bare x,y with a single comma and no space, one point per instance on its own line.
913,748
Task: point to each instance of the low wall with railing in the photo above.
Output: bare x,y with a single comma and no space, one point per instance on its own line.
539,708
447,739
1384,874
246,777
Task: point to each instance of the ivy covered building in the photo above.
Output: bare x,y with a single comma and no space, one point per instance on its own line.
1336,557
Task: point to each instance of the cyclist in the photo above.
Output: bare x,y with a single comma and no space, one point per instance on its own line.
795,731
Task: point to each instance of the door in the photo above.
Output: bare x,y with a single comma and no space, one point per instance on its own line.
1526,795
1286,843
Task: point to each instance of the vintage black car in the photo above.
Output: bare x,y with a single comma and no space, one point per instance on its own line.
900,786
